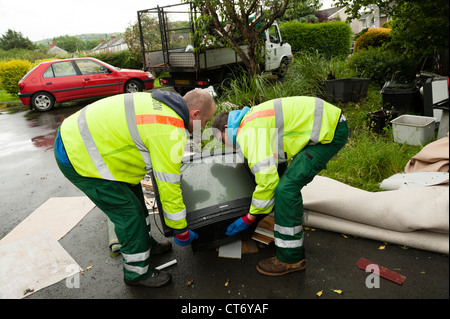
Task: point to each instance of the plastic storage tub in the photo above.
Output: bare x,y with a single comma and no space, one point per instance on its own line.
413,129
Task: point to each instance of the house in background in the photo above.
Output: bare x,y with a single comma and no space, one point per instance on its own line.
370,18
54,49
113,45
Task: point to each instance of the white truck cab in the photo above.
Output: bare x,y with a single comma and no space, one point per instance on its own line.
278,52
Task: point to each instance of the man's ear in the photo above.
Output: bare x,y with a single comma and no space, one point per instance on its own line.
195,113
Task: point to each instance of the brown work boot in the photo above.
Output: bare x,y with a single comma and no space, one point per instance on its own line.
275,267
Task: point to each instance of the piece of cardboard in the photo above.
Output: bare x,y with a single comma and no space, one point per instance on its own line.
32,263
231,250
58,215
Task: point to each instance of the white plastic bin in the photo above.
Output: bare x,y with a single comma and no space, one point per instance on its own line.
413,129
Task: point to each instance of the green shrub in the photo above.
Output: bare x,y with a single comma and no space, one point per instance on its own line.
23,54
379,65
10,74
124,59
331,39
373,38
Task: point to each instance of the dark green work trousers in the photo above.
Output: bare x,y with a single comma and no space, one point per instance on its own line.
125,206
288,197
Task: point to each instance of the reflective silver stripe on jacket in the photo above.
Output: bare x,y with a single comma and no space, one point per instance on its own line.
291,231
289,243
91,147
175,216
132,258
167,177
263,203
130,115
318,114
279,124
265,163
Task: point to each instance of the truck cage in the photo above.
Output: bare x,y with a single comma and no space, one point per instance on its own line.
181,58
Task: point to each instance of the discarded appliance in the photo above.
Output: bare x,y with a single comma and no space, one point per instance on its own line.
217,189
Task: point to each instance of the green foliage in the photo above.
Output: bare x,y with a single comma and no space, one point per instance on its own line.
123,59
309,73
70,43
368,159
24,54
10,74
301,11
329,38
245,90
150,32
15,40
419,28
379,65
373,38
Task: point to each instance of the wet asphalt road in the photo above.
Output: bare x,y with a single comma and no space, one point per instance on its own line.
29,176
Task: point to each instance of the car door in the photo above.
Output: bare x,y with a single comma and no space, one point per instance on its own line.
97,78
63,81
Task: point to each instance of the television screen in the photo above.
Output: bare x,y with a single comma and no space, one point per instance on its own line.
217,189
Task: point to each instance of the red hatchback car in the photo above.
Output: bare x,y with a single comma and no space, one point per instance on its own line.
70,79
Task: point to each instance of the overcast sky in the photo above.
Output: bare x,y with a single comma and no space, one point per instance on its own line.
42,19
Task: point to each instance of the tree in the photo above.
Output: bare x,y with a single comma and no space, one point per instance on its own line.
420,28
303,11
69,43
150,33
13,39
234,22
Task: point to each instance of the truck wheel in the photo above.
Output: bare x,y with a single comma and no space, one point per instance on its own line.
42,101
224,84
282,70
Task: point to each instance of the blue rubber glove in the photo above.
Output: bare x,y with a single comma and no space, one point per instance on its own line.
238,225
186,239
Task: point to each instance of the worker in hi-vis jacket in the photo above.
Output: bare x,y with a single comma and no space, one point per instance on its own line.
302,132
106,148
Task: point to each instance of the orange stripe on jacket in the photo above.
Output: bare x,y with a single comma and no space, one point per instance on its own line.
264,113
159,119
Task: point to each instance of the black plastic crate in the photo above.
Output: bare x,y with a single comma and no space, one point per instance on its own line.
403,98
347,89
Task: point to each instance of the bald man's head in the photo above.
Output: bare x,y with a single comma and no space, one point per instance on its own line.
201,106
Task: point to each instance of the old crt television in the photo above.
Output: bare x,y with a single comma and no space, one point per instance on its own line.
217,189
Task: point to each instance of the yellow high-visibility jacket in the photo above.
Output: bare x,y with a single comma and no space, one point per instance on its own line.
274,132
124,137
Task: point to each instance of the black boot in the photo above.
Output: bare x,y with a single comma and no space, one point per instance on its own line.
160,248
159,278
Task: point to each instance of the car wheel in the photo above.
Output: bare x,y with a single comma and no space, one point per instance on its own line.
43,101
133,86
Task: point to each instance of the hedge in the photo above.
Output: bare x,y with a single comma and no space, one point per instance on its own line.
373,38
11,72
124,59
331,39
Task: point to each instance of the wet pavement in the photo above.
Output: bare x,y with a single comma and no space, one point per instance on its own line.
29,176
